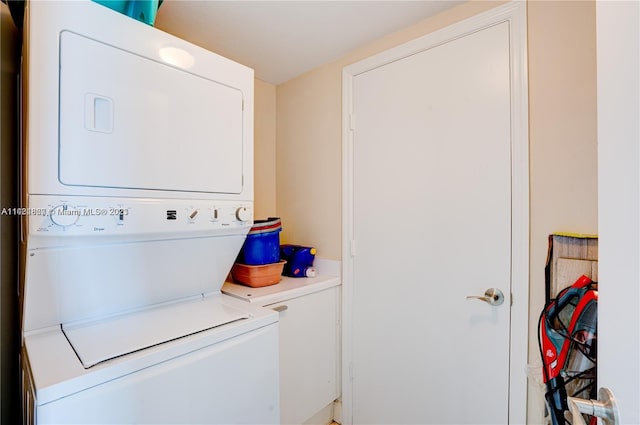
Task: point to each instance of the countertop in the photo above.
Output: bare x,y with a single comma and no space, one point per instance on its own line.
288,287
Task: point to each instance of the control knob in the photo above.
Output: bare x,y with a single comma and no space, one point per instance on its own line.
243,214
64,215
191,214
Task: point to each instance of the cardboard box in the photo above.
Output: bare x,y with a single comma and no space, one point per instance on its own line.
569,256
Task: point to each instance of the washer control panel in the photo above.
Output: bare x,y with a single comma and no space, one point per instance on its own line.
60,216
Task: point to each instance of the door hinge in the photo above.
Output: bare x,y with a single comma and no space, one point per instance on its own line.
352,122
353,248
351,372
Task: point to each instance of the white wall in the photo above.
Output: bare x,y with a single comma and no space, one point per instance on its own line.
264,142
618,31
562,140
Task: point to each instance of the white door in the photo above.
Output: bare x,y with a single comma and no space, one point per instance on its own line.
432,225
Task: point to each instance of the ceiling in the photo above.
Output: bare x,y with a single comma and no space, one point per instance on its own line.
284,39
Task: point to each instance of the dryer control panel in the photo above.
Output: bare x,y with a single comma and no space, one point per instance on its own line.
96,216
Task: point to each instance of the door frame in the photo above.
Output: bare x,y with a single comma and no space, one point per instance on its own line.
514,13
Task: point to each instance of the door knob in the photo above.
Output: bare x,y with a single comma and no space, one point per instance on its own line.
492,296
604,408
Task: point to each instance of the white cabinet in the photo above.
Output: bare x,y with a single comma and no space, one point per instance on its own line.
309,341
308,354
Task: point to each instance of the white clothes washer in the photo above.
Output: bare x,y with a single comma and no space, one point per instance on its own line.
138,188
206,360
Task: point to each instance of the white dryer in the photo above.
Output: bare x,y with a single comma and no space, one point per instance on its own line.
138,194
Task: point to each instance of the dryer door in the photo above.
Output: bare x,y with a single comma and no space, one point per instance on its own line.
159,126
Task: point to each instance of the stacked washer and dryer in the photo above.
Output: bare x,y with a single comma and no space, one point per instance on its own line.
138,193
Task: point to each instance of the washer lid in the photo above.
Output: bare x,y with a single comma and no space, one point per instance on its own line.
102,340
